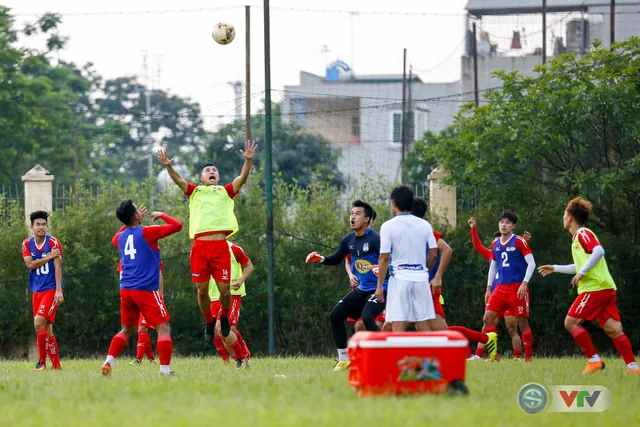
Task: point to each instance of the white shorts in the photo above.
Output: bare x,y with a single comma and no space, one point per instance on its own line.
409,301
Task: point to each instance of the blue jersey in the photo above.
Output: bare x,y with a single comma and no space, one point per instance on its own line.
434,269
42,278
509,258
364,252
140,262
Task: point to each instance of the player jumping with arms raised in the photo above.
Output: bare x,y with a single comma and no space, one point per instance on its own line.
211,221
140,281
596,290
363,244
42,254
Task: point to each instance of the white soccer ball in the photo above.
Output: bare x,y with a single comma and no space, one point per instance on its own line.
223,33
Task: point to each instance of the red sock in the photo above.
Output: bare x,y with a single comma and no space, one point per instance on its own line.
517,353
238,349
527,343
480,351
42,337
208,317
222,351
165,348
143,337
471,335
491,328
149,349
623,345
582,338
54,356
244,343
118,343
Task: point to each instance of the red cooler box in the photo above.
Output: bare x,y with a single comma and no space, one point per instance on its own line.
408,362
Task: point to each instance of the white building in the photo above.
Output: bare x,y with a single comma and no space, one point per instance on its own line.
362,115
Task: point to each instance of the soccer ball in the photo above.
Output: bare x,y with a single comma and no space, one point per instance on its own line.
223,33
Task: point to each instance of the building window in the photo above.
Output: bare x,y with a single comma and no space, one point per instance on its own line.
355,129
416,126
300,112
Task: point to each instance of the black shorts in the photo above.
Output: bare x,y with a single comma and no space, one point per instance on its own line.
359,303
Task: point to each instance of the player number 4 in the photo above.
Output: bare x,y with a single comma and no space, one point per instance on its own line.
128,247
505,259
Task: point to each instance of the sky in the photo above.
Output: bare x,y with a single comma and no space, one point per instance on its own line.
177,39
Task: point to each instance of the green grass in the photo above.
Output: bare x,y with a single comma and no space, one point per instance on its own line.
204,392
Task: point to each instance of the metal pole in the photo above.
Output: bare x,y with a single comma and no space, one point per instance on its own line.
544,32
474,44
411,115
247,82
268,167
612,20
404,113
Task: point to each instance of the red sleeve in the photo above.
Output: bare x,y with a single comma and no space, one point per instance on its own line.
588,240
25,248
475,239
115,237
437,235
492,256
348,258
229,188
190,188
55,244
161,265
523,246
240,255
153,233
119,267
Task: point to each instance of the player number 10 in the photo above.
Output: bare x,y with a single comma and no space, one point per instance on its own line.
43,270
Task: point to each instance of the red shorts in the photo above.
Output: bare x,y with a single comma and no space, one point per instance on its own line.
134,303
600,305
43,305
505,299
210,258
143,322
379,318
234,310
437,306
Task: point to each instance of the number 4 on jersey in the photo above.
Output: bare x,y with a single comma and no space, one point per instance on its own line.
128,247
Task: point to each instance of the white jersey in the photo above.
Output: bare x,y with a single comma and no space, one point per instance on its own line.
406,237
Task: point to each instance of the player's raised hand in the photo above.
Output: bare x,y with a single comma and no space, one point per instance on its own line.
142,210
249,149
526,236
314,257
472,222
155,216
162,156
545,270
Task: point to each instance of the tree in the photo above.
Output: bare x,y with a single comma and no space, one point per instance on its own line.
298,156
572,130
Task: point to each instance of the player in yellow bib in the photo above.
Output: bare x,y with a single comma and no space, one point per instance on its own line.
596,290
241,269
211,221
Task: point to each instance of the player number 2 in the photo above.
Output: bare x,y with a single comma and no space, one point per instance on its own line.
128,247
43,270
505,259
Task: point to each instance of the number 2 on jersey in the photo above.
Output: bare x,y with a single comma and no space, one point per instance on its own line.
505,259
128,247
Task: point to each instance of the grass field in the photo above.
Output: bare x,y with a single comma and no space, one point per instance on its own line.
204,392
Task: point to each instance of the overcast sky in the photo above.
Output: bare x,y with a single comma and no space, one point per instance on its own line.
193,65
